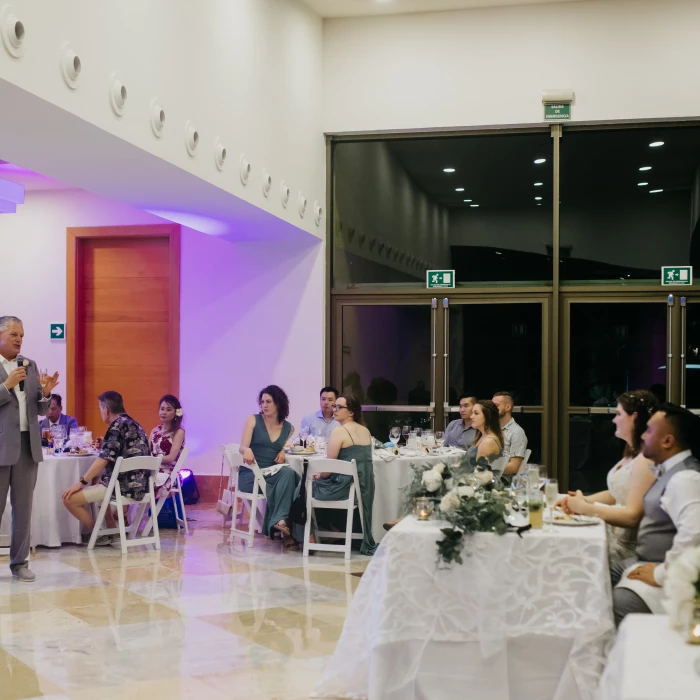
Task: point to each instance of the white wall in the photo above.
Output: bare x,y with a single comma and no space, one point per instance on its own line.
624,59
247,71
250,316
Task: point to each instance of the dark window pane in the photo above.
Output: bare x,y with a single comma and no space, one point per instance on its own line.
692,356
622,223
386,354
593,451
616,348
496,347
397,213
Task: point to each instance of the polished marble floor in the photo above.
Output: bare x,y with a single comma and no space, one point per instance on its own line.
201,619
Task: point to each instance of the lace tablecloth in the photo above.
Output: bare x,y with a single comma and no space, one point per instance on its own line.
522,618
651,661
389,478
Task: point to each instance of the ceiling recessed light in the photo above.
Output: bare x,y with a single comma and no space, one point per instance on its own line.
448,170
656,144
645,167
539,184
538,197
641,184
467,200
539,161
459,189
498,252
654,191
539,204
474,206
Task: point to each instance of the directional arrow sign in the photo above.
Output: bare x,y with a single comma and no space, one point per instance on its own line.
58,331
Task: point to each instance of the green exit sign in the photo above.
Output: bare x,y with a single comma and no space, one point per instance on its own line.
58,331
678,275
557,111
440,279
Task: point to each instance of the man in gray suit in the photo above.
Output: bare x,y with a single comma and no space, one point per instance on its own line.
24,396
671,521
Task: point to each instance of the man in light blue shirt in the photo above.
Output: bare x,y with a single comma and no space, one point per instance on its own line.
460,433
322,423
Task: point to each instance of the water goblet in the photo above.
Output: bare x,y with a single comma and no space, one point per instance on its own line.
395,435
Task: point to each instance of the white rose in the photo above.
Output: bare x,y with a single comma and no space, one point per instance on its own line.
449,484
432,480
450,501
439,467
465,491
483,478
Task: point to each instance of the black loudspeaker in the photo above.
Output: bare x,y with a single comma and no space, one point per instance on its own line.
190,492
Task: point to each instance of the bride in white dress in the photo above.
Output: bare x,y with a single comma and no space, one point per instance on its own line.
622,505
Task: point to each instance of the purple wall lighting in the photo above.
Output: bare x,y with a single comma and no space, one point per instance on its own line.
11,194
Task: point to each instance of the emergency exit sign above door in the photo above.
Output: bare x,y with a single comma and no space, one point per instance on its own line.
440,279
678,275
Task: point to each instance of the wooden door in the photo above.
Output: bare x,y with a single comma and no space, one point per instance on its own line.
124,334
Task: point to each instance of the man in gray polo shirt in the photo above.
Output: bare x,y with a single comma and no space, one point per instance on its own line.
460,433
514,438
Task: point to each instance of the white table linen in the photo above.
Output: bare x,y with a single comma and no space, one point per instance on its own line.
52,524
389,479
522,618
650,661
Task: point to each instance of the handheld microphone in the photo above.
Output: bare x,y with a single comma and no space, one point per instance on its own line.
21,362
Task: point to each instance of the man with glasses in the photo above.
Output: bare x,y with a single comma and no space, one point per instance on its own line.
321,423
460,433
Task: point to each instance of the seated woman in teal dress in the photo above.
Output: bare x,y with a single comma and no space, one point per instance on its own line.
349,441
264,437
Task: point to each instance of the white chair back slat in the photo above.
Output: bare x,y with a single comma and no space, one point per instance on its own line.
523,464
333,466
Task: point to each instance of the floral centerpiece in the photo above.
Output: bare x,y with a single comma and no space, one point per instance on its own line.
466,496
682,587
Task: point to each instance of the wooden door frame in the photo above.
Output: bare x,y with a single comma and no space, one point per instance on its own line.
75,240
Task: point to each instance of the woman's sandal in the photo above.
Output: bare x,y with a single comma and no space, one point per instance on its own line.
291,546
283,529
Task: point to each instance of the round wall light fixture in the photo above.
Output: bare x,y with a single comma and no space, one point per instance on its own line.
71,66
13,32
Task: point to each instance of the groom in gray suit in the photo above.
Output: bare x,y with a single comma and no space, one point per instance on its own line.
25,394
671,522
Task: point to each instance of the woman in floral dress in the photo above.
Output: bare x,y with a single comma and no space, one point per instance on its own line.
167,439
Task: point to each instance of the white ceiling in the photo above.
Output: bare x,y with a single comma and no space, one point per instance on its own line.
360,8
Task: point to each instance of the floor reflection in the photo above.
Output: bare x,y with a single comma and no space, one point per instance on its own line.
202,618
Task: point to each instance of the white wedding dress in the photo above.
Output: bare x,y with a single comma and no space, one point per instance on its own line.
622,541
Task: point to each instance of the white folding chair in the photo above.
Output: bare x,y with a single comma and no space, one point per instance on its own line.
255,501
334,466
175,489
523,464
114,497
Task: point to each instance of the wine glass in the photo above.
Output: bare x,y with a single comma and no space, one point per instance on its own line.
543,474
395,435
439,438
429,438
533,476
59,438
519,488
303,434
551,494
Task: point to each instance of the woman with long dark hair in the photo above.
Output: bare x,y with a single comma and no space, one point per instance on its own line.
167,439
488,439
264,436
351,440
621,506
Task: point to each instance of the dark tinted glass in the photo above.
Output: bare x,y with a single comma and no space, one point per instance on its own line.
593,451
692,355
496,347
616,347
387,353
397,213
628,207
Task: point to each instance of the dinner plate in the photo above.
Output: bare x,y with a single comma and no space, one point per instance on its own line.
577,521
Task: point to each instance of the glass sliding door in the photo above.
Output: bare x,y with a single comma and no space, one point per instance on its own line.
499,345
385,355
610,345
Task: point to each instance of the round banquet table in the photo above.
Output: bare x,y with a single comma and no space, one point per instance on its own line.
52,524
391,474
